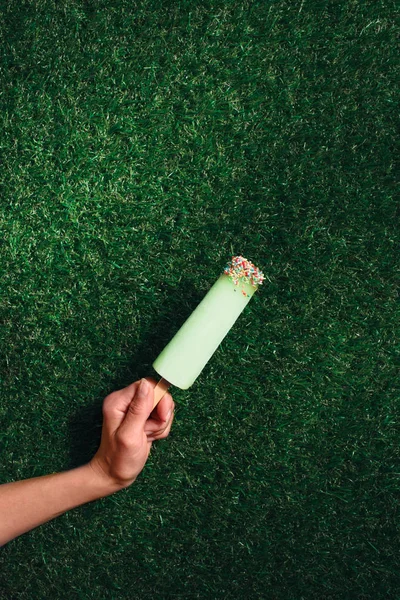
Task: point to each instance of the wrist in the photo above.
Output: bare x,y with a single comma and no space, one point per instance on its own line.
106,484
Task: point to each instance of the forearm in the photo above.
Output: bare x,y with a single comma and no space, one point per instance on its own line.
28,503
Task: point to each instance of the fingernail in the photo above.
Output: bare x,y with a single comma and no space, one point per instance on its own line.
143,387
169,414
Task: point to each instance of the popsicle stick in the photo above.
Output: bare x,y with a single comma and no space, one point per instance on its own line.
160,390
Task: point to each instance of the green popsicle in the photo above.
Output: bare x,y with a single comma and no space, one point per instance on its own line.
185,356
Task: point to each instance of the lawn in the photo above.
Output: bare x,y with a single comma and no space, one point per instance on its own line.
142,145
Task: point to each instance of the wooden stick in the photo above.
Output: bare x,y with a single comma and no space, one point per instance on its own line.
160,390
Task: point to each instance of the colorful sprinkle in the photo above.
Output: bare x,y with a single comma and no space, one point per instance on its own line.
243,271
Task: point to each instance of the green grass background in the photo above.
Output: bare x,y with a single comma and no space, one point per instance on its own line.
143,144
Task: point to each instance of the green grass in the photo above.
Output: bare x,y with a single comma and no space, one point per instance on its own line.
144,143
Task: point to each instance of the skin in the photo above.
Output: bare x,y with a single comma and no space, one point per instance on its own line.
130,426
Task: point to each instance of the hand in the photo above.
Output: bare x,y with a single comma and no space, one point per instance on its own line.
130,425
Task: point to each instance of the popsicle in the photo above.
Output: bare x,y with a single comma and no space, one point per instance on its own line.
185,356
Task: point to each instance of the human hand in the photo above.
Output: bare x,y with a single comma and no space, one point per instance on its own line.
130,425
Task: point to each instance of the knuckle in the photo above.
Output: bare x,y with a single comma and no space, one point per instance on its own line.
163,428
133,409
125,442
163,433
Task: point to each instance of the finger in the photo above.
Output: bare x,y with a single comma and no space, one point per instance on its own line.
160,415
163,432
163,408
116,404
138,410
126,394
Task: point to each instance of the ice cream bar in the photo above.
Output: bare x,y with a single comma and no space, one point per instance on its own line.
185,356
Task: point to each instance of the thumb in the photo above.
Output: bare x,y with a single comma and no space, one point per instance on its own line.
139,409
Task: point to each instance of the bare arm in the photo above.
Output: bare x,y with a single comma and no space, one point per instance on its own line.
130,426
28,503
